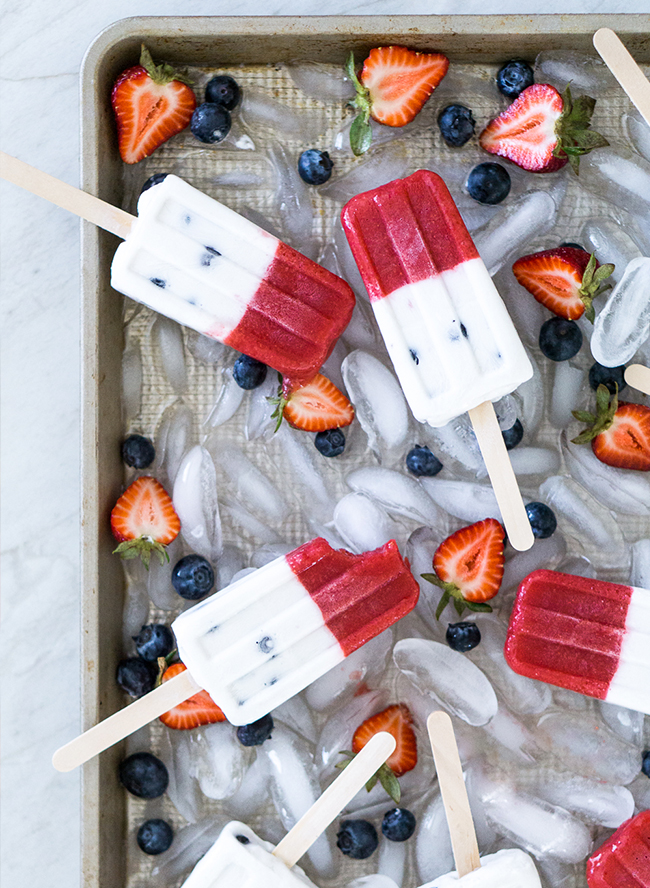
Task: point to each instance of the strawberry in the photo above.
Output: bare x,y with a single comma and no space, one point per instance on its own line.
314,407
565,280
396,720
151,104
198,710
394,84
468,566
619,432
542,130
144,520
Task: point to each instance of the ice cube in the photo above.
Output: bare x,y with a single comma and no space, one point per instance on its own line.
258,109
466,500
398,493
168,337
195,501
218,760
568,381
294,203
611,243
623,324
517,223
638,132
251,485
433,843
175,436
326,83
252,793
377,168
591,800
534,460
131,381
586,73
362,524
640,574
228,401
621,177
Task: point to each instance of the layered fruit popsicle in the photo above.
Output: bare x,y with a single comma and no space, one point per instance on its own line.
624,860
267,636
509,868
446,329
202,264
239,859
586,635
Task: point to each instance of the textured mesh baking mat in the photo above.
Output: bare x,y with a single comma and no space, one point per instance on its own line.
200,165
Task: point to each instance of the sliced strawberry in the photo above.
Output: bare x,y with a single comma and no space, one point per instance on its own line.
144,520
194,712
315,407
542,130
396,720
468,566
394,84
151,103
565,280
619,432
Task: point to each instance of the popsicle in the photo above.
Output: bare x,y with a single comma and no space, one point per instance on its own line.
448,334
509,868
198,262
264,638
624,860
586,635
239,859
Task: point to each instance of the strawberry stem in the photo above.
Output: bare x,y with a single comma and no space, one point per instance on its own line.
573,129
360,131
162,73
142,547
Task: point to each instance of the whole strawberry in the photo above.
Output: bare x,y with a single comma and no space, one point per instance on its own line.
468,566
619,432
565,280
542,130
144,520
394,84
151,104
395,720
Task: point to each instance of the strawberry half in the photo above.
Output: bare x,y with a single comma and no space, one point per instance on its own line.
315,407
396,720
151,104
542,130
468,566
565,280
619,432
198,710
144,520
394,84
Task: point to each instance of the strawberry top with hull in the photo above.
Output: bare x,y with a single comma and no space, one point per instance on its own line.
586,635
205,266
266,637
447,332
624,860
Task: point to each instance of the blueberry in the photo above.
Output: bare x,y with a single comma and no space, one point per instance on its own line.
357,839
456,125
138,451
489,183
314,166
192,577
223,90
575,246
513,435
144,775
330,443
136,676
645,763
155,836
542,520
210,123
249,373
514,77
398,824
420,461
156,179
560,339
609,376
153,641
463,636
256,733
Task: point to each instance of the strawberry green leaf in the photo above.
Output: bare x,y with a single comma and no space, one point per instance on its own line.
390,783
160,74
142,548
604,272
606,407
444,601
370,784
478,607
360,134
583,416
574,135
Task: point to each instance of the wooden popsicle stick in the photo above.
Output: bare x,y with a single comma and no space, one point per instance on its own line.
638,377
91,208
502,476
454,794
128,720
625,69
303,835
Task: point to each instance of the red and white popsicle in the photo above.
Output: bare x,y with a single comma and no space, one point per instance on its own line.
586,635
264,638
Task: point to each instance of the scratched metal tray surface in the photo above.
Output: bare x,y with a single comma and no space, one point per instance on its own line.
255,51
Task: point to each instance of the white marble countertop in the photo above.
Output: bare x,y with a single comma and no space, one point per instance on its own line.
43,44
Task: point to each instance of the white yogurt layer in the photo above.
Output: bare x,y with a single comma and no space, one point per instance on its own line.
256,643
510,868
192,259
452,342
630,686
231,863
